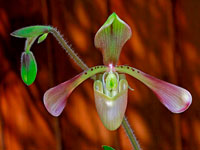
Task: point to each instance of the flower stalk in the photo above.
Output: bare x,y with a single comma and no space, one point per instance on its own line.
68,49
130,134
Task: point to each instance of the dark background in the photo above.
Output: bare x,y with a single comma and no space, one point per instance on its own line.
165,43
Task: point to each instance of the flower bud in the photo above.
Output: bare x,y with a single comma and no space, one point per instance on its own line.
28,67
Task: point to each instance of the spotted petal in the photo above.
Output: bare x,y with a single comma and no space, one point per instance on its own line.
111,37
55,98
175,98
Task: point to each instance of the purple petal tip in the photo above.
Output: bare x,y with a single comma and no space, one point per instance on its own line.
175,98
55,100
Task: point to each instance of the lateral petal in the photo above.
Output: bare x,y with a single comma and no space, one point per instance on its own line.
55,98
175,98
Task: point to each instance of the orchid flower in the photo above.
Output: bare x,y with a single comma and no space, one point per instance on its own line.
110,85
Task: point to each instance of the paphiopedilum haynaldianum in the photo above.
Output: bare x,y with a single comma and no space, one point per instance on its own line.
110,85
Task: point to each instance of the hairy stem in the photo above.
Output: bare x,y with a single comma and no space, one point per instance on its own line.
130,134
68,49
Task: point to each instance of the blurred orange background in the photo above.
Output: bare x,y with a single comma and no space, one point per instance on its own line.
165,43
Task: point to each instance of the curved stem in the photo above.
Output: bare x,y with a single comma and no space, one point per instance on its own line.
29,43
130,134
68,49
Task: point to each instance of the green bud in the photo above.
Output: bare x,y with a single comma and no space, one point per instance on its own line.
28,67
42,38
